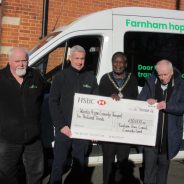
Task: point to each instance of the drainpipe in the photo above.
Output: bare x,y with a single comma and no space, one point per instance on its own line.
44,18
177,4
1,14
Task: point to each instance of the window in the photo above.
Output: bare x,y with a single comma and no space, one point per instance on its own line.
57,59
144,49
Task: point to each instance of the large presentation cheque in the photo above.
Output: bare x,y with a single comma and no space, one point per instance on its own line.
103,119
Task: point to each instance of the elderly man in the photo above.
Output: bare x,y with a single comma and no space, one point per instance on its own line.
66,83
165,87
20,103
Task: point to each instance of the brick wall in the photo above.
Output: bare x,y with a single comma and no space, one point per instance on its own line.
21,23
21,19
0,21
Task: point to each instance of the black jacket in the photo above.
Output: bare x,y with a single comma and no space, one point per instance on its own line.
130,91
20,106
65,84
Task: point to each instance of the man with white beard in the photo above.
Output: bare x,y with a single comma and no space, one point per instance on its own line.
21,95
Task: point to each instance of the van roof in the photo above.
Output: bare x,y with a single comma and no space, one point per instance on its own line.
102,20
149,12
126,11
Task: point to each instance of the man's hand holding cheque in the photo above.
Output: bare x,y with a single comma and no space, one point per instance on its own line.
104,119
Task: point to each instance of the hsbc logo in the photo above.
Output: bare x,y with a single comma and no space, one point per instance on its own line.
86,100
90,101
101,102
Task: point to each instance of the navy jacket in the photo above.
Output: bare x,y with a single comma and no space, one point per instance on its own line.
65,84
20,106
174,110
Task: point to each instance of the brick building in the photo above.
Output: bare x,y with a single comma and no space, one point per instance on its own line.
21,20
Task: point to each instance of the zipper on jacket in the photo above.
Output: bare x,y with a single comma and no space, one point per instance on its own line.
24,108
77,89
163,124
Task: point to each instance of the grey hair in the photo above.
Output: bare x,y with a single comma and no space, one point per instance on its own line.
166,62
77,48
12,50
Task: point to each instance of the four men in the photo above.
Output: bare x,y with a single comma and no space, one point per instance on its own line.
21,94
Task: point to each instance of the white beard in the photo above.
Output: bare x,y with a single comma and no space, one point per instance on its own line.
20,72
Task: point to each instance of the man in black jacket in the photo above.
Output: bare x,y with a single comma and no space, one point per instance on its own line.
118,84
21,91
65,84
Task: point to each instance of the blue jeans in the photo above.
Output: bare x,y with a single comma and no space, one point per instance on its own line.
11,156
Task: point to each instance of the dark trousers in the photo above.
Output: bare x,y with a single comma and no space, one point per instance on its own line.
64,146
11,156
156,166
110,150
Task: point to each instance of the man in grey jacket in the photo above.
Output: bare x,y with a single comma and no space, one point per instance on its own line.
165,87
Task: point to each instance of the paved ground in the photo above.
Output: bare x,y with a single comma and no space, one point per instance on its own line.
176,174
